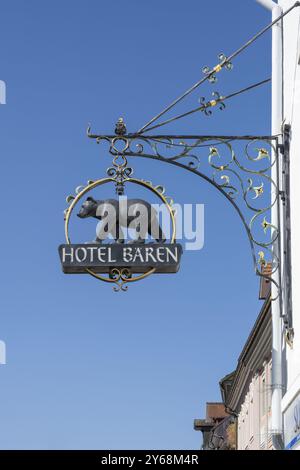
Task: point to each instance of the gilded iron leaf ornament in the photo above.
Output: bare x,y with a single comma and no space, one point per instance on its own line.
212,73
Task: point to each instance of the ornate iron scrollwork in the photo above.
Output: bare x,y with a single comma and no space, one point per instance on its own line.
239,167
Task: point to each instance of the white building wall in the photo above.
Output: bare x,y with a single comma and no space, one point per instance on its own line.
292,116
254,418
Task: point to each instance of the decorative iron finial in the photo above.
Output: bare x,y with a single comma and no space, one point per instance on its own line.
120,127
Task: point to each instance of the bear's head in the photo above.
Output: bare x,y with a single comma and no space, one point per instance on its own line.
88,208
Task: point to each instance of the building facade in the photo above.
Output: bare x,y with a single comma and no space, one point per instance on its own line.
218,428
249,396
254,418
243,420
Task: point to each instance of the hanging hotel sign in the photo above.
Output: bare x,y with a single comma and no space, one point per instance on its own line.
112,257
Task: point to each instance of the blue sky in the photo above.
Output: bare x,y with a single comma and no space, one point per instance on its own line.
86,367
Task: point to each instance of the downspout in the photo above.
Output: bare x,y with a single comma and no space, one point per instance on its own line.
277,119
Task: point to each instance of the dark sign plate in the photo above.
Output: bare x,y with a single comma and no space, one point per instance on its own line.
75,258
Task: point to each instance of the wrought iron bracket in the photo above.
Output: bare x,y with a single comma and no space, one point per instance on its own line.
239,167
